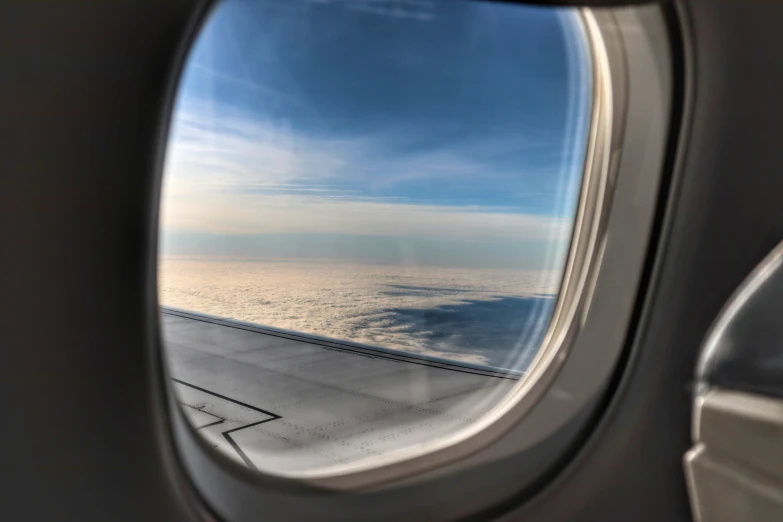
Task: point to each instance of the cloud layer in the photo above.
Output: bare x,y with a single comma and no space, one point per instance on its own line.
457,314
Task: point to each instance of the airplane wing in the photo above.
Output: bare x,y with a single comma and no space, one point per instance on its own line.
284,403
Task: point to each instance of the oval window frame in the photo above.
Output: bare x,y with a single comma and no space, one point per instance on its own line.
237,491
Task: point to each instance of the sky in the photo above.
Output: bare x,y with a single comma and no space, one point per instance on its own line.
439,133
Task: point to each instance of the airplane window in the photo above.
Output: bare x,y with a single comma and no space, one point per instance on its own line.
366,215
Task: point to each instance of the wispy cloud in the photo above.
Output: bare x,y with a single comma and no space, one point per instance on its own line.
214,145
226,174
422,10
208,146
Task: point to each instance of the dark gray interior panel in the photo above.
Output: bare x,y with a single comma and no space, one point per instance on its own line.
84,86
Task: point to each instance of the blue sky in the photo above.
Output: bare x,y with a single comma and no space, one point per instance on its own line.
446,126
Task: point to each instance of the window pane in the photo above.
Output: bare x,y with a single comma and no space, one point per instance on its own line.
366,211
